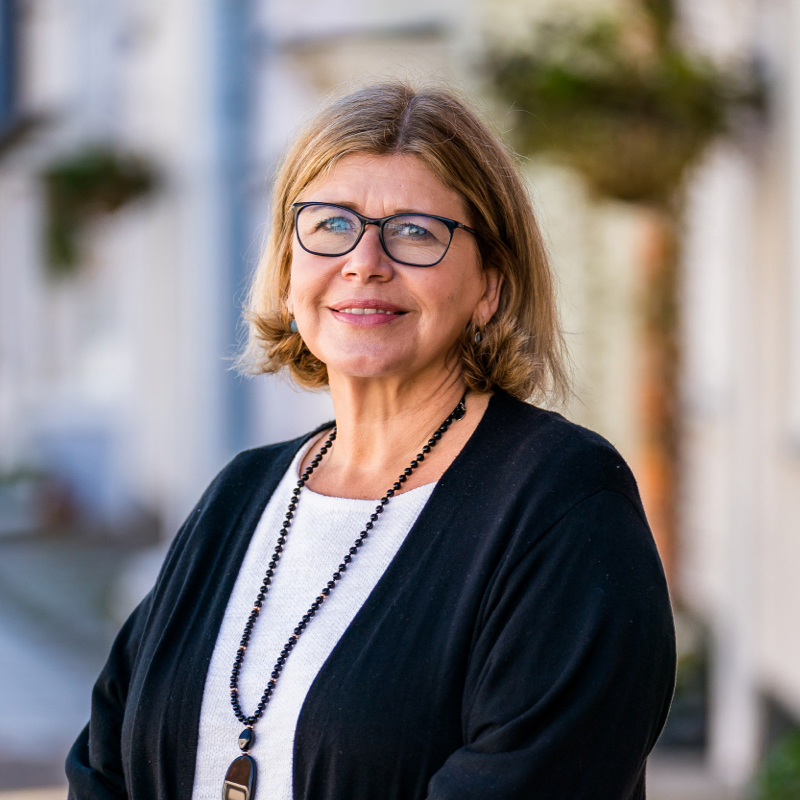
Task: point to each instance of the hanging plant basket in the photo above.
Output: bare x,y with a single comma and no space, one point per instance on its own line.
80,188
619,102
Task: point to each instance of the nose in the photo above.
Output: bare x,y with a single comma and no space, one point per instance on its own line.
368,261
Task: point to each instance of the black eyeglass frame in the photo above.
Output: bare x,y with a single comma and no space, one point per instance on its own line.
450,224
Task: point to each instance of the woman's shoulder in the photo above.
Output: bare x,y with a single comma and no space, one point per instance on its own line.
250,465
251,473
558,456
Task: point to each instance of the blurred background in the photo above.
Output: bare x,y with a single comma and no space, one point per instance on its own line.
662,145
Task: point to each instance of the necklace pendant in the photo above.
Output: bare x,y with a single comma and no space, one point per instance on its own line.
240,780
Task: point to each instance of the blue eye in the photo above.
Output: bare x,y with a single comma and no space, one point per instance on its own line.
408,230
335,225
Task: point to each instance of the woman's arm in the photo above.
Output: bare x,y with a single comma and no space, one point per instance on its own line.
95,764
573,666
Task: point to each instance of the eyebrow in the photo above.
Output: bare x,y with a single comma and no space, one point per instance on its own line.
342,203
353,207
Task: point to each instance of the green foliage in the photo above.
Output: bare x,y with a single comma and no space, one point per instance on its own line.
619,101
82,186
780,775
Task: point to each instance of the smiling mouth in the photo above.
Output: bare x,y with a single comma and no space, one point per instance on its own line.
366,311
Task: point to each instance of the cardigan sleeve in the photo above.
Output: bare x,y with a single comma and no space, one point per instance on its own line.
94,765
573,665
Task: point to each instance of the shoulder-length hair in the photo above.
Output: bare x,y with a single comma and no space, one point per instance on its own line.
520,350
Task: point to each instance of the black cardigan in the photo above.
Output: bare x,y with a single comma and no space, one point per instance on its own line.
519,645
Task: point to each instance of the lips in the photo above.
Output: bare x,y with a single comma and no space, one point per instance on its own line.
355,306
366,312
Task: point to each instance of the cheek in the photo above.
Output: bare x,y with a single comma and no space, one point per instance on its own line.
305,282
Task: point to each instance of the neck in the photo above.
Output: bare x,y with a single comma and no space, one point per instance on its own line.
381,428
376,424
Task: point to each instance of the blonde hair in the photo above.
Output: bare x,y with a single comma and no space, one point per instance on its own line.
521,348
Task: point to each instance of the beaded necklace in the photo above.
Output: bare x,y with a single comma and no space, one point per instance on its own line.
240,779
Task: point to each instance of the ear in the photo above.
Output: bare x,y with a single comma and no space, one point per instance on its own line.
490,300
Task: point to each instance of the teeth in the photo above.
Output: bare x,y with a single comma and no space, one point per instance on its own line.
363,311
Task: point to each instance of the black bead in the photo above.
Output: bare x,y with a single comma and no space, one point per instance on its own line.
336,576
247,739
407,471
326,591
426,449
353,550
348,559
397,486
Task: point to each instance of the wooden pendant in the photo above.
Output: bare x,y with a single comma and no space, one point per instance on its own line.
240,780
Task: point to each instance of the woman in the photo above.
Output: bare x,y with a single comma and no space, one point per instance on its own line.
494,623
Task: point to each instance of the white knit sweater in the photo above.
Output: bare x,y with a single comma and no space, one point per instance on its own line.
322,531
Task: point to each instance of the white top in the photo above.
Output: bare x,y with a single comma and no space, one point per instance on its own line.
322,531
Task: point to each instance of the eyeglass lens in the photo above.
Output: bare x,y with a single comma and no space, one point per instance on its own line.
409,238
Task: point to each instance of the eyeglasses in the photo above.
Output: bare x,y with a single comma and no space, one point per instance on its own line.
417,240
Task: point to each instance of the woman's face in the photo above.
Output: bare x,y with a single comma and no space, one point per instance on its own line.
422,310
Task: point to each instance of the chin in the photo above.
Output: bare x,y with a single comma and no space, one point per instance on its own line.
367,364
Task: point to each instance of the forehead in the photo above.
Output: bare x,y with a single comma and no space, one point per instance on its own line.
381,185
